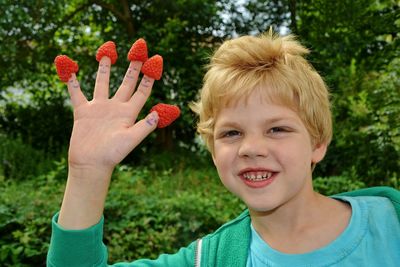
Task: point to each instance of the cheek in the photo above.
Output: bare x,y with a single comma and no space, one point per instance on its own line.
219,160
222,169
297,155
223,160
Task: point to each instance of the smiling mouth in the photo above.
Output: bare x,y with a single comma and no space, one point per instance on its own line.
257,176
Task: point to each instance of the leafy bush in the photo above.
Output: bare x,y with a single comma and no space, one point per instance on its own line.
20,161
37,113
367,126
25,211
336,184
147,212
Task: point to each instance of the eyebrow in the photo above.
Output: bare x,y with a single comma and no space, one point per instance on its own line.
278,119
227,124
232,123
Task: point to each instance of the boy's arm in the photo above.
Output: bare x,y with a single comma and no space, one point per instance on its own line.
104,132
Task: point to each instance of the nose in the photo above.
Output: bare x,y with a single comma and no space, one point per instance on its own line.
253,146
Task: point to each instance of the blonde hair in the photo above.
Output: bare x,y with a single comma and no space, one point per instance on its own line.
274,65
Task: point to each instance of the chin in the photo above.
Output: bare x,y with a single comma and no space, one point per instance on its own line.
261,207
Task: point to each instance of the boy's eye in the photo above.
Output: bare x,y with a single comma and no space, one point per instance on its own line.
278,130
231,133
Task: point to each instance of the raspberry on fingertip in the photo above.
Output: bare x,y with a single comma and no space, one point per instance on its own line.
65,67
107,49
153,67
167,114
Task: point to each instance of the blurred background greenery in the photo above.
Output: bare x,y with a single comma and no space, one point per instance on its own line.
162,200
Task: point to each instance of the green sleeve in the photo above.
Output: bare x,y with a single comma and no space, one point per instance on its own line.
77,247
86,248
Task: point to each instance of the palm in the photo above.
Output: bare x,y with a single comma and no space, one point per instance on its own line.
104,130
100,133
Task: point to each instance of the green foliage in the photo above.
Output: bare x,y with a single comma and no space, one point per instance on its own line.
148,212
367,129
336,184
355,46
41,118
19,161
26,31
342,31
25,210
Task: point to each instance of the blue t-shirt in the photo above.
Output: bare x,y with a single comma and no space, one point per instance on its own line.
372,238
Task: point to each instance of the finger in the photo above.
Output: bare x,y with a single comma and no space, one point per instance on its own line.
141,95
142,128
103,79
75,92
128,85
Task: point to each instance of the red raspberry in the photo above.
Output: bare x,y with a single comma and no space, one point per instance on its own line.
153,67
107,49
65,67
166,114
138,51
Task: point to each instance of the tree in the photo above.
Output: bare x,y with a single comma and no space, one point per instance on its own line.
355,45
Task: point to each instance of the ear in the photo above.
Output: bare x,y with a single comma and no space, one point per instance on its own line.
319,152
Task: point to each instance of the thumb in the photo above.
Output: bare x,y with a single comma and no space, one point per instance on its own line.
141,129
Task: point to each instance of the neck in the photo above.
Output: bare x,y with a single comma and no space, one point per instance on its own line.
302,225
289,217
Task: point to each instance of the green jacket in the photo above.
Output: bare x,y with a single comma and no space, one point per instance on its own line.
228,246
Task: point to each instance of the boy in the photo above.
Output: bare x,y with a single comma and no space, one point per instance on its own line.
265,117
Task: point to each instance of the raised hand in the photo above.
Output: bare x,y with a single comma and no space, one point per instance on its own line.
105,130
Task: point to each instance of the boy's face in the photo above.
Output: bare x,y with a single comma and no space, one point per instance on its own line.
263,153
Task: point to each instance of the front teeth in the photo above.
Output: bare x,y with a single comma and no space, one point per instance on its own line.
260,176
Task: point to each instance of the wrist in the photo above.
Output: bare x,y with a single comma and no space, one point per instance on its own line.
85,195
88,172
